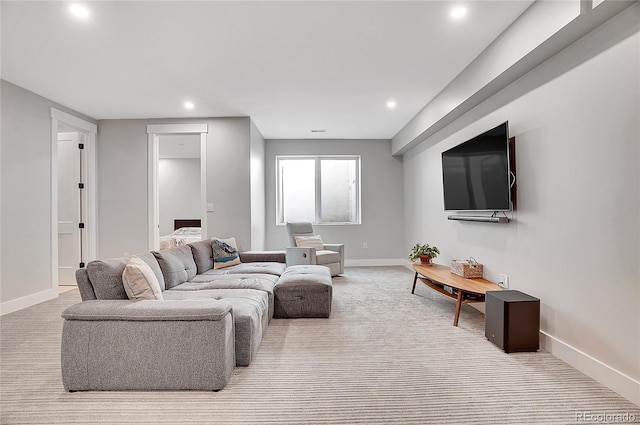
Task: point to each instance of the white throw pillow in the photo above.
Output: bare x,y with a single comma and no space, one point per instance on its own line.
140,283
225,252
310,242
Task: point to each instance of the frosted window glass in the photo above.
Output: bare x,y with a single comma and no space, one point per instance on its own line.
298,189
318,189
337,188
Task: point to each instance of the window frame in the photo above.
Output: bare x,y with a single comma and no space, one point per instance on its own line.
318,189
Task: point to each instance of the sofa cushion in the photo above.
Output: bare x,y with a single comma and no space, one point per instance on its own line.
250,316
263,282
248,268
106,278
84,285
225,253
178,309
314,241
148,258
244,281
177,265
140,283
263,256
202,255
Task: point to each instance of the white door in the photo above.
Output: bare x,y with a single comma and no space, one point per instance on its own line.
69,207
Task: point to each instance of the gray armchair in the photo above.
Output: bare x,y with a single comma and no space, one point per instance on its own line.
332,255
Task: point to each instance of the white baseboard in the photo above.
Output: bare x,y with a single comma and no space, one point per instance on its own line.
27,301
376,262
624,385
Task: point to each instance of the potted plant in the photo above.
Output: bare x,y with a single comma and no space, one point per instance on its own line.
424,252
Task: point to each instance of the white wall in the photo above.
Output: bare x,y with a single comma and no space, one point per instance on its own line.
381,197
25,165
575,238
179,191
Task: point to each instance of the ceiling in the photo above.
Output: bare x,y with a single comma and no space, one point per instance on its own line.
293,66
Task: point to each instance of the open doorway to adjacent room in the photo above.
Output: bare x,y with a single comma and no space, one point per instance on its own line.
179,214
73,205
177,184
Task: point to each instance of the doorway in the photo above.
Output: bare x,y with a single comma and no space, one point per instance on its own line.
194,135
179,189
73,205
70,205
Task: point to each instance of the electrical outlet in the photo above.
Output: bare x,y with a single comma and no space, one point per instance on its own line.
504,281
365,245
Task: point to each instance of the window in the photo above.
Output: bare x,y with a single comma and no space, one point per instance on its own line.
319,189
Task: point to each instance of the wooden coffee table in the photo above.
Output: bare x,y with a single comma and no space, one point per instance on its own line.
435,275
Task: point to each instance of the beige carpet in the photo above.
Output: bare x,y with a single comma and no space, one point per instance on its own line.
384,357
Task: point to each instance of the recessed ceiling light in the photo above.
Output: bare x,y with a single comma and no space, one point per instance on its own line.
79,11
189,105
391,104
458,12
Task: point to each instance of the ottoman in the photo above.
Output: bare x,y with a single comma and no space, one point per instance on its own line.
303,291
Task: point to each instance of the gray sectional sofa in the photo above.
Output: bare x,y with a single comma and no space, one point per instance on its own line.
209,320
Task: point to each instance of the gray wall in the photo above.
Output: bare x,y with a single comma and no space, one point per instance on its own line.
381,197
122,182
575,238
122,187
25,167
229,179
258,209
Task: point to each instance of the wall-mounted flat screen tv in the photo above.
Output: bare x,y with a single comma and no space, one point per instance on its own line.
476,175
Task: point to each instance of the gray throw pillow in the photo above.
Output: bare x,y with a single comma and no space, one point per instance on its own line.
149,258
106,278
202,255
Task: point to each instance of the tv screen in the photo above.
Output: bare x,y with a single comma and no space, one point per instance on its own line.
476,173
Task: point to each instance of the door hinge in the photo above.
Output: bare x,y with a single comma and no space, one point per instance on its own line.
80,145
81,225
82,265
80,185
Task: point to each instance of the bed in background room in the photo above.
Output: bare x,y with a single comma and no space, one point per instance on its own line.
185,231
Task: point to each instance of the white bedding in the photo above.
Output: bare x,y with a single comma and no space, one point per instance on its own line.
180,237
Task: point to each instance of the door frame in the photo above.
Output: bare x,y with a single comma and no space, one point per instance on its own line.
89,130
154,131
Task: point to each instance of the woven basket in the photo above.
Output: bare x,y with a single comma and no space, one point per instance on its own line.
466,268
